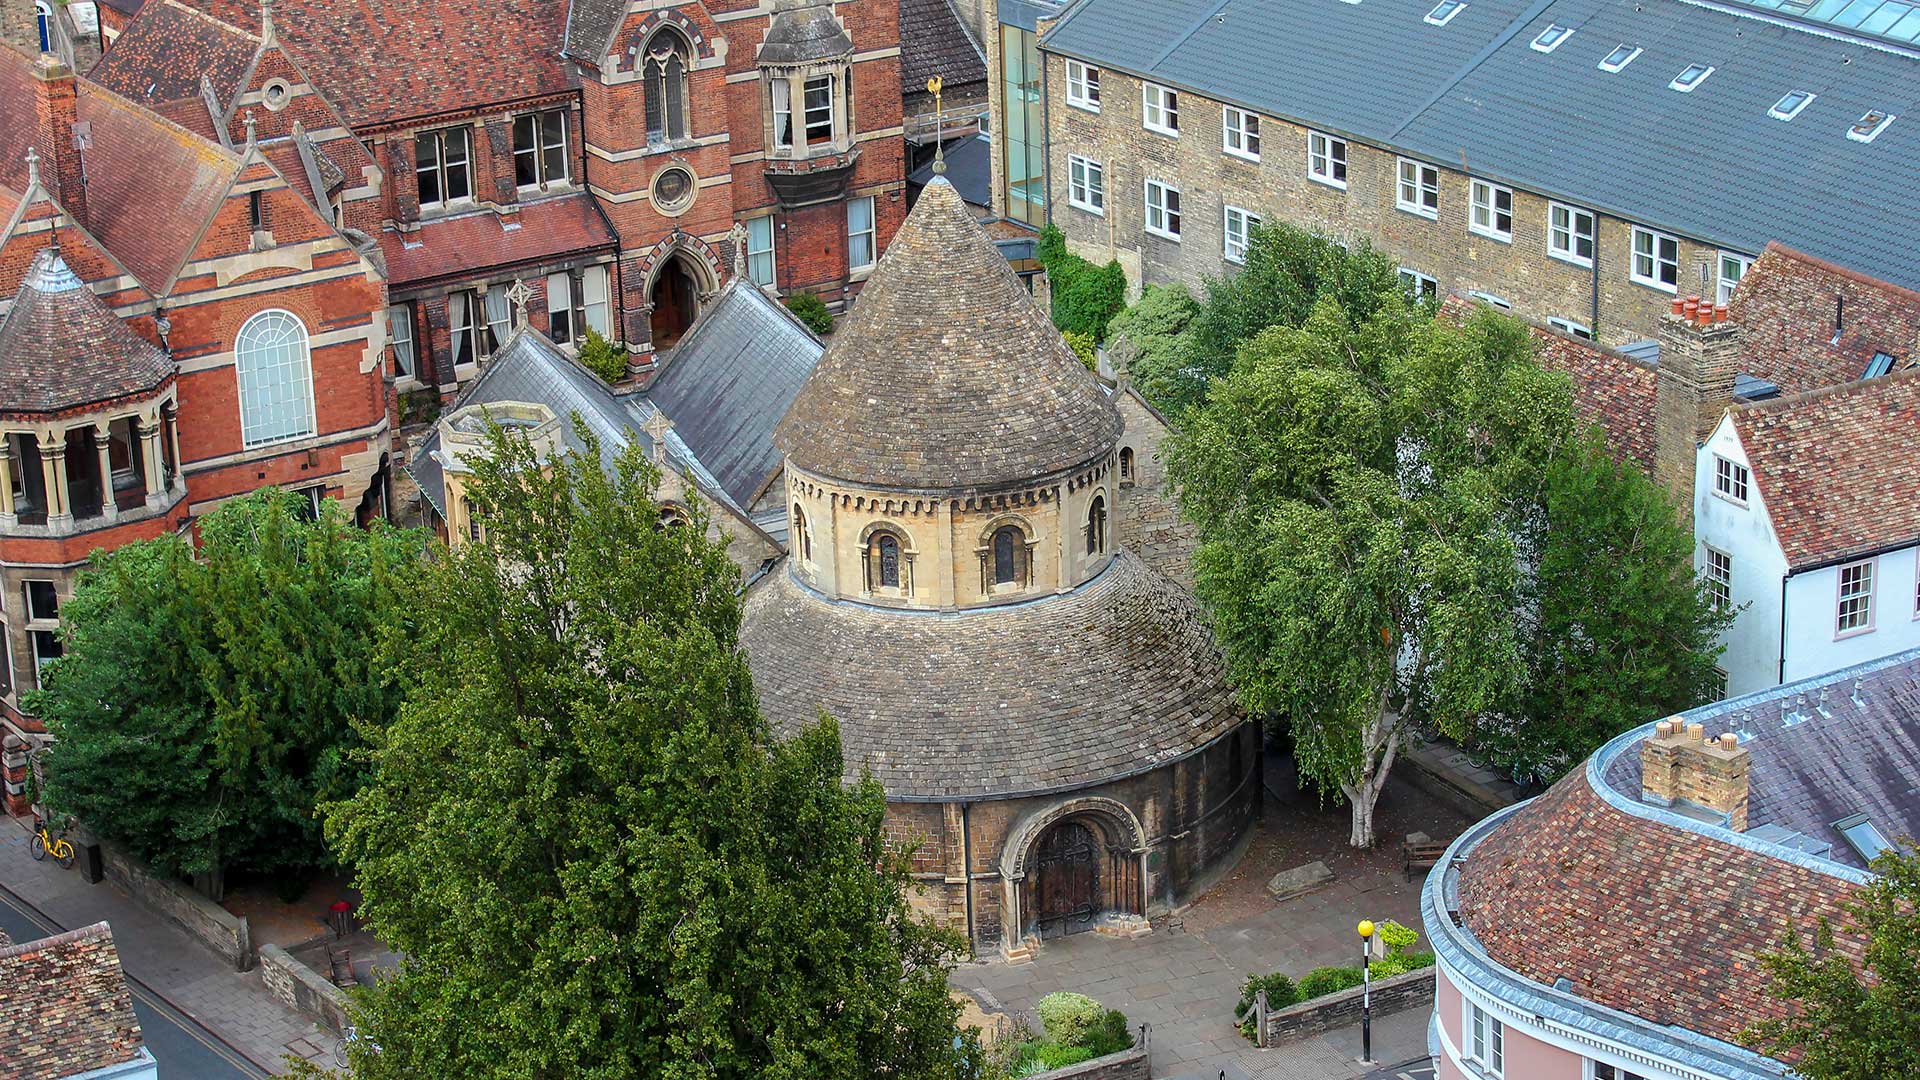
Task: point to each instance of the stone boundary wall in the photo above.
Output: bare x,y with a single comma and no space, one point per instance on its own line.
228,935
303,989
1123,1065
1324,1014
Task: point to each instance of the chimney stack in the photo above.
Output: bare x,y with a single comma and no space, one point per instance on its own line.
1678,763
1699,355
56,108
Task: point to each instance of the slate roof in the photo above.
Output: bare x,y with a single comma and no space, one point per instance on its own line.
969,170
1835,467
456,246
1787,305
62,347
946,376
1114,678
64,1007
1474,94
590,27
728,382
799,35
933,41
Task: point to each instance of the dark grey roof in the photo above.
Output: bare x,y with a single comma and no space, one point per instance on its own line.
933,41
969,163
1853,747
804,34
61,346
730,380
1474,94
590,26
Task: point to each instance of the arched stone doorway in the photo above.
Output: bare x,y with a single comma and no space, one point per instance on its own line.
1077,865
674,297
1064,891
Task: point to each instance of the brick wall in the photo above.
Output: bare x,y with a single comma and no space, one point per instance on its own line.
1126,1065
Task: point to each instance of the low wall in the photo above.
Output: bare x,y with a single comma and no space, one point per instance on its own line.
1124,1065
227,934
1324,1014
303,989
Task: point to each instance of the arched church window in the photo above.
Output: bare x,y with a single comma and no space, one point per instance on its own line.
275,373
886,560
1126,463
1097,525
802,541
672,517
1008,542
664,64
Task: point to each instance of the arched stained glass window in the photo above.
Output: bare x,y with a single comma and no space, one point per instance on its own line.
275,372
887,555
667,59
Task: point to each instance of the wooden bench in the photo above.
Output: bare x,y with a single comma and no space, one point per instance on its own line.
1422,856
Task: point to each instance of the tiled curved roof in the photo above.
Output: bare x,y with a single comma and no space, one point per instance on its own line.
61,346
1114,678
798,36
946,376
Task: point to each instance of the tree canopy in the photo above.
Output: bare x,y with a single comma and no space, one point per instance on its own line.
207,699
596,857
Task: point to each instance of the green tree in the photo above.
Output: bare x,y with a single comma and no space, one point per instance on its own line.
1855,1010
812,312
1085,297
207,699
1156,348
584,838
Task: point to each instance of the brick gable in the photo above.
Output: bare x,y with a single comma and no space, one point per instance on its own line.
1788,306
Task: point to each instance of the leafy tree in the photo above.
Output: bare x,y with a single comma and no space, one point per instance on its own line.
603,357
1085,297
812,312
584,838
206,700
1084,347
1157,347
1855,1009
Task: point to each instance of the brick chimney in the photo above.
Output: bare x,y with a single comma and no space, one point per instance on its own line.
1678,763
56,106
1699,355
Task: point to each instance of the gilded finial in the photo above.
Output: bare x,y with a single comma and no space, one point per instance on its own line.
939,146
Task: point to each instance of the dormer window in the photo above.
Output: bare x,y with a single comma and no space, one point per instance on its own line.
665,65
540,148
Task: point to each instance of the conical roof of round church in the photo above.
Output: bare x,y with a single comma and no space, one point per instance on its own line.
947,375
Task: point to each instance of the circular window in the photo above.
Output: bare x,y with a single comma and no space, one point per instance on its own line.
275,94
673,190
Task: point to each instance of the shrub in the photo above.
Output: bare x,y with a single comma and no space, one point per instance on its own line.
603,357
1084,347
812,312
1280,992
1399,963
1038,1057
1068,1017
1110,1035
1085,297
1328,980
1395,936
1161,364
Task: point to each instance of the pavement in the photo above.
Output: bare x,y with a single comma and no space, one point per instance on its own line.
184,985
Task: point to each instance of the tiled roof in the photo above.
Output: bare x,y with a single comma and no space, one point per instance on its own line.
1835,467
933,41
1787,306
1474,94
415,58
1116,677
590,27
19,123
799,35
455,246
64,1007
61,346
946,376
166,52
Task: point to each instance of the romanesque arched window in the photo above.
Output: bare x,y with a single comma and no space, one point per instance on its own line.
1097,525
885,560
672,517
1126,463
802,542
1009,544
275,373
664,65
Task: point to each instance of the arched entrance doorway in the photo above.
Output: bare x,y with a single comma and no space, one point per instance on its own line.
675,297
1065,885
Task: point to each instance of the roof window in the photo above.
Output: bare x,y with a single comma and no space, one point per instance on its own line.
1879,365
1789,106
1620,57
1686,81
1870,125
1444,11
1551,37
1862,836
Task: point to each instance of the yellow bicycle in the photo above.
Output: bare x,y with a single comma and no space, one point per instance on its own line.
45,844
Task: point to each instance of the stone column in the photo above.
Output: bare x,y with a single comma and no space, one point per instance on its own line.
7,512
53,475
171,420
150,428
102,441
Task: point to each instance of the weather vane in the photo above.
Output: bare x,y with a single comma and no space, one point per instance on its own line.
939,122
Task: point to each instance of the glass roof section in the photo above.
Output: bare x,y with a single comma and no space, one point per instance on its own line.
1895,20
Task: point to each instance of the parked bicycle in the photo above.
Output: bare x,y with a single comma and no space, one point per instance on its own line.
44,844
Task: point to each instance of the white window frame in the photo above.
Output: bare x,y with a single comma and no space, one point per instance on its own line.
1916,584
1864,595
442,168
1083,86
1240,132
1491,205
871,232
1087,184
1438,17
1633,52
1685,86
1496,300
543,144
595,303
1563,32
560,306
1327,159
400,340
1722,288
1248,221
1418,187
1571,231
291,388
780,101
1806,98
823,116
1168,211
1859,131
1732,481
1571,328
1653,281
1162,102
1424,285
1483,1039
1718,567
755,254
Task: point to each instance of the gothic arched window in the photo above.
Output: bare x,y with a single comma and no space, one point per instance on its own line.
886,560
1007,544
802,542
664,64
1097,525
672,517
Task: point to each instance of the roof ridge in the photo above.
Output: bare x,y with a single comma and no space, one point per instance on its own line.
1819,395
1854,276
65,937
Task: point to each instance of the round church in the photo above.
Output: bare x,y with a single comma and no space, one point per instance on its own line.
1048,713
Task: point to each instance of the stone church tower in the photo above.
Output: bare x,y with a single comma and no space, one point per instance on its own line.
1048,713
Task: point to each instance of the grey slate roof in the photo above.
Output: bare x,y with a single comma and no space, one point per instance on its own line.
1710,164
799,35
728,382
933,41
62,347
969,163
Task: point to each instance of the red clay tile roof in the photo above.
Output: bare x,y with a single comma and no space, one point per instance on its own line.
19,124
1786,305
1835,467
476,241
64,1006
405,59
1611,390
1639,915
61,346
164,54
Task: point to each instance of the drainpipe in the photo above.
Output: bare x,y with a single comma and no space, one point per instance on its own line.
1593,317
1046,128
966,868
1782,676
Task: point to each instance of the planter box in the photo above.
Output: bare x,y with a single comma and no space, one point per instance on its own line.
1123,1065
1338,1010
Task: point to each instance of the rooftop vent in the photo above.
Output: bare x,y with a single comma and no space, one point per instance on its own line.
1745,732
1859,700
1821,708
1862,835
1879,365
1620,57
1789,106
1443,12
1868,127
1787,838
1688,80
1551,38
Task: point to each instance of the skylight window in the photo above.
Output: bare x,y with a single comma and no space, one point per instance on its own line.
1551,37
1688,80
1862,836
1443,13
1789,106
1870,125
1620,57
1879,365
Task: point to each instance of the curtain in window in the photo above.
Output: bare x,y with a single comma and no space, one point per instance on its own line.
560,308
499,317
782,112
400,338
860,233
459,329
275,375
760,250
593,299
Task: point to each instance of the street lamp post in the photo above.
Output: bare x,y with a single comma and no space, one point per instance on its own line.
1366,990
